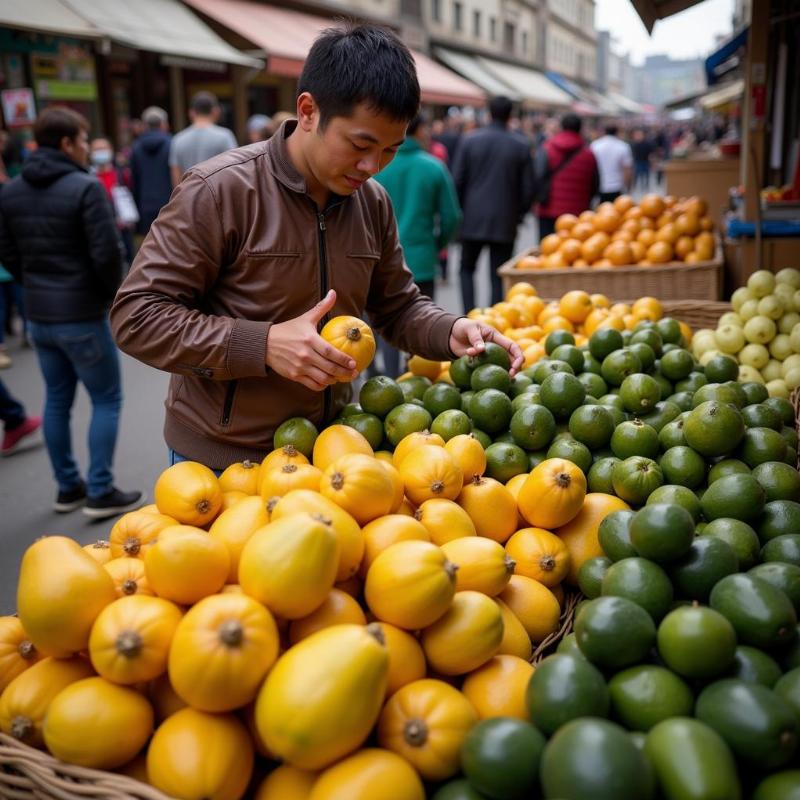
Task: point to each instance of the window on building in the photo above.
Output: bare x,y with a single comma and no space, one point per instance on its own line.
458,16
476,24
436,10
411,8
509,36
493,29
525,42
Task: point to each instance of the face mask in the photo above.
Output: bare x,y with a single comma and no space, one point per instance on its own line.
100,157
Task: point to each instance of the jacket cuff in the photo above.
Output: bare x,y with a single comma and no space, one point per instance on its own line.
247,349
440,335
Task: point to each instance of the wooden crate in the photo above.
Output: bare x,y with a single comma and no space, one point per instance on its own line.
695,314
673,281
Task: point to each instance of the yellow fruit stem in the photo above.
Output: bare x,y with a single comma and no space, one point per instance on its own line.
231,633
415,732
129,644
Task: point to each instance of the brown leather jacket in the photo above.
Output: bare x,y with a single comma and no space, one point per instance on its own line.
240,246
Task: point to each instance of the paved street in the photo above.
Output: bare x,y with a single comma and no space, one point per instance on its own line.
27,490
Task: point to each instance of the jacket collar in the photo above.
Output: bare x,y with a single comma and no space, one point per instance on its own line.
410,145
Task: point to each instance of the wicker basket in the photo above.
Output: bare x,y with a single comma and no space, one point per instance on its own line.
675,281
548,646
695,315
27,773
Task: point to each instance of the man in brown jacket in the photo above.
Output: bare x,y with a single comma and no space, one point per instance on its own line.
259,246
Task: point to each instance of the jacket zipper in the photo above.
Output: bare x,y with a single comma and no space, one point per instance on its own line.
323,275
228,405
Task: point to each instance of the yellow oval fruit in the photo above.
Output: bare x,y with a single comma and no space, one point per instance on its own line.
322,697
430,472
17,651
466,636
406,658
286,782
236,525
352,336
240,477
534,605
290,565
445,520
128,575
100,551
516,641
553,493
539,554
360,485
339,608
411,442
386,531
189,493
483,564
468,453
498,688
61,591
410,585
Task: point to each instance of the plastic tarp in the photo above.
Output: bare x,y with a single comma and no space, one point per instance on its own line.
46,16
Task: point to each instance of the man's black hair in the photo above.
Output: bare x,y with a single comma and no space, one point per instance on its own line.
612,129
56,122
352,64
203,103
571,122
416,123
500,108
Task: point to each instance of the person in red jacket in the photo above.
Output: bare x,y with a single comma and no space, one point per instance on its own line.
566,175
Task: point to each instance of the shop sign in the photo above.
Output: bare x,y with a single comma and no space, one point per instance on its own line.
19,109
67,74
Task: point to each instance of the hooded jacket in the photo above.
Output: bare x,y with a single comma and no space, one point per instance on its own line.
152,184
58,237
571,188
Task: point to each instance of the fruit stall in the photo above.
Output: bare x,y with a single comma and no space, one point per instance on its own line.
577,582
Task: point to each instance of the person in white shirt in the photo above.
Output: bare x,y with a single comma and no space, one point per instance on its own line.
614,162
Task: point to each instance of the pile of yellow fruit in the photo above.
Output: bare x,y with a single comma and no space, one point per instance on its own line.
658,230
291,609
527,319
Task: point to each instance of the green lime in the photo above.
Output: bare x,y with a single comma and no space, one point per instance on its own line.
649,336
696,642
533,427
614,535
450,423
784,548
779,786
714,428
692,382
482,437
720,393
545,368
785,577
461,372
592,425
618,365
492,354
645,354
635,479
441,397
490,376
350,409
379,395
535,457
758,415
671,435
557,338
677,495
571,355
721,369
591,574
683,466
591,364
752,665
595,386
755,392
604,341
639,393
676,365
670,330
682,399
662,532
780,517
299,432
783,407
457,790
728,466
571,450
634,438
779,481
504,461
739,535
466,399
708,560
490,411
643,696
413,388
562,393
369,426
613,399
737,496
404,419
760,445
643,582
519,385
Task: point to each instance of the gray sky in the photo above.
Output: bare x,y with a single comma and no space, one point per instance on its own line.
685,35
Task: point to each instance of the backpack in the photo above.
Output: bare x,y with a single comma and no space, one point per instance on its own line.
545,179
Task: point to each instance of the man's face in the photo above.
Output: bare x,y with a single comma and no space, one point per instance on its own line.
78,148
352,149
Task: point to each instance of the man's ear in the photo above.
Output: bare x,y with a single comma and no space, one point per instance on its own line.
307,111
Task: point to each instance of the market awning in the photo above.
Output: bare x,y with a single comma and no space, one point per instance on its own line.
650,11
286,37
729,93
531,85
625,103
159,26
48,16
470,68
726,57
584,101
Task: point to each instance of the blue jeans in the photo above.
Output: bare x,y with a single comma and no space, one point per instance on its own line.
69,352
12,413
177,458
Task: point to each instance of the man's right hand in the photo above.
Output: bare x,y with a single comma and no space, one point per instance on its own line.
296,351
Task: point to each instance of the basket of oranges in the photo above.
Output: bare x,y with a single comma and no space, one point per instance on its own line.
664,246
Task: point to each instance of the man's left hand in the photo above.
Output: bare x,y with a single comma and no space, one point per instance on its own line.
468,338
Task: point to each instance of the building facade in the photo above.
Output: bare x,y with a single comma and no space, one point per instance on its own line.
569,40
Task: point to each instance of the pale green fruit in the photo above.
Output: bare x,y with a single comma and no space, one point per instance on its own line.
748,309
705,340
778,388
790,276
787,322
781,347
754,355
790,363
730,339
740,296
770,306
750,375
796,300
792,378
786,294
730,318
708,355
760,330
761,283
773,371
794,335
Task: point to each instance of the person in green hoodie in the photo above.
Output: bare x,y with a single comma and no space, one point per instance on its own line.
427,211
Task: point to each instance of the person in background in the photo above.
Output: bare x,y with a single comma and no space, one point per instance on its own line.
203,139
58,235
493,174
426,207
6,307
259,128
450,133
642,148
114,178
614,162
566,175
20,432
150,174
